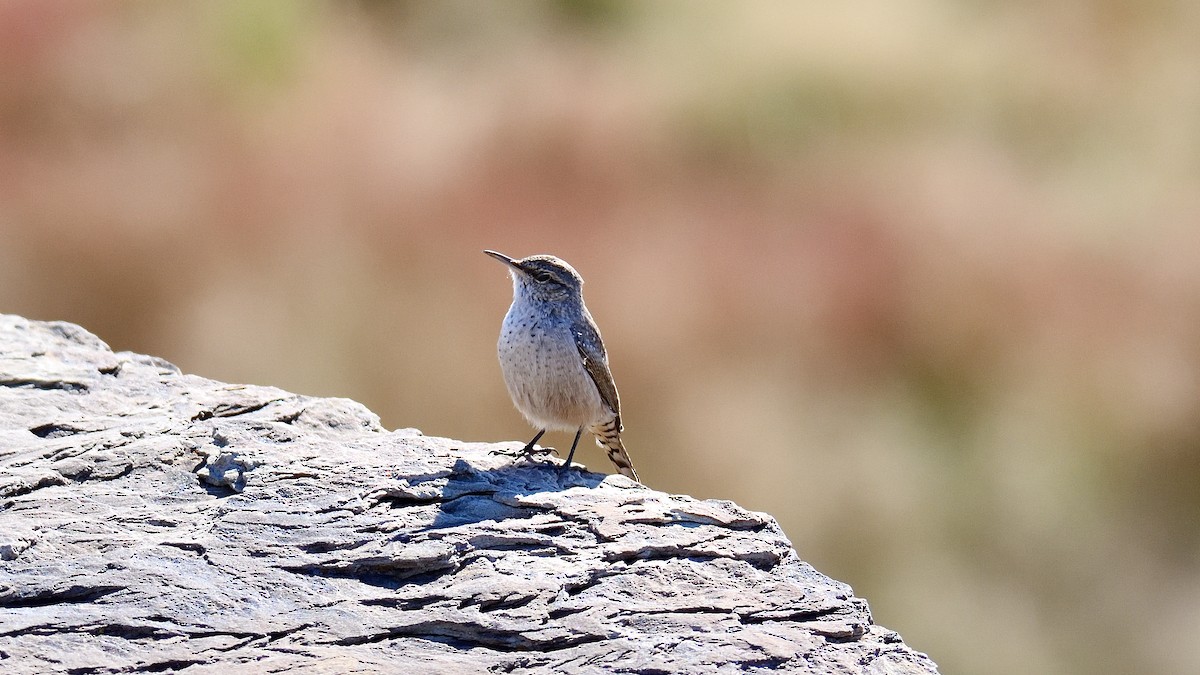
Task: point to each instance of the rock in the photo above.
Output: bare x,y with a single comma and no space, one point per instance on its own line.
156,521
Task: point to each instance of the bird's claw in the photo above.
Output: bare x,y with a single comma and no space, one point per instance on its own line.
527,452
538,451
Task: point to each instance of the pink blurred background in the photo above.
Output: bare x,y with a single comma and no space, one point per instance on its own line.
920,279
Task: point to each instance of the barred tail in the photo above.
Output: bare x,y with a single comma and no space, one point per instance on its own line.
608,436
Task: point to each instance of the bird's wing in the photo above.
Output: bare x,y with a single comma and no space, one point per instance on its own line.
595,362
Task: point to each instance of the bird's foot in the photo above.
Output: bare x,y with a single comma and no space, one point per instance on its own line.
528,452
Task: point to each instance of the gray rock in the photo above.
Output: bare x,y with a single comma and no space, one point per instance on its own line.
155,521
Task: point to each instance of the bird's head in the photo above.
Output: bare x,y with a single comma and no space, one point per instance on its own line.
542,277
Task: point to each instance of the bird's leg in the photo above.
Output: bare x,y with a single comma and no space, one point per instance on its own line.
571,455
529,450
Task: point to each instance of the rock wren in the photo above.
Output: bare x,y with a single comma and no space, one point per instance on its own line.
553,359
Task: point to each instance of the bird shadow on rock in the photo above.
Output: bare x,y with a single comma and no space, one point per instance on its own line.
473,494
450,511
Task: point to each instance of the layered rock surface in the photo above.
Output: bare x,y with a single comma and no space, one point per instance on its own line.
156,521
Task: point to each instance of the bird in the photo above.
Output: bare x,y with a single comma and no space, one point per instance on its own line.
553,359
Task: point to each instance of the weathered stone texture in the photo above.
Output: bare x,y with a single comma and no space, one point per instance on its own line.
155,521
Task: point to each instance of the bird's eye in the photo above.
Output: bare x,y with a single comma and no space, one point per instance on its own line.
542,277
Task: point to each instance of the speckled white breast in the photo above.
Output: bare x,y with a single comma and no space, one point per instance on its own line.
545,374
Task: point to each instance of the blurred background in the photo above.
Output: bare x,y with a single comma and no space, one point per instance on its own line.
921,279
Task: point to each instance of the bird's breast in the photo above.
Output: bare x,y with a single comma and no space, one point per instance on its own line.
544,372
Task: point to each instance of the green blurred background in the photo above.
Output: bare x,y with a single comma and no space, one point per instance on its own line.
918,278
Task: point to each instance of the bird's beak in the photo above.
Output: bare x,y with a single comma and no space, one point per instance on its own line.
504,259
